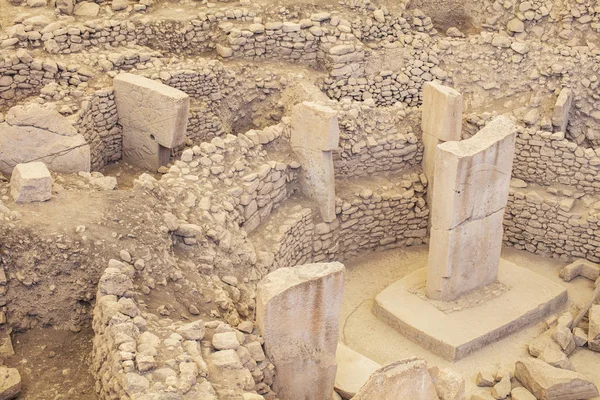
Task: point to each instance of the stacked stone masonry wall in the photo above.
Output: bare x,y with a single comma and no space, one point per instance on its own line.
98,123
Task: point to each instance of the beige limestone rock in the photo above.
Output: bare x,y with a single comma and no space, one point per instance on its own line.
467,212
581,267
297,313
549,383
10,383
405,379
560,116
34,132
520,393
594,328
154,118
501,390
31,182
448,384
442,112
485,379
315,134
353,370
86,9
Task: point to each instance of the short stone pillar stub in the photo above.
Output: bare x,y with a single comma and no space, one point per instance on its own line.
31,182
297,313
153,110
315,134
472,182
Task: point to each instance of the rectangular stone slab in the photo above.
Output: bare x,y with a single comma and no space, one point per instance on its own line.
442,112
530,298
157,110
473,176
353,371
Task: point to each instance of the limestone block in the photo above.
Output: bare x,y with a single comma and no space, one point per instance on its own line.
581,267
353,371
34,132
473,176
464,258
549,383
448,384
142,151
315,134
520,393
442,112
315,126
560,117
31,182
157,110
10,383
594,328
404,379
297,313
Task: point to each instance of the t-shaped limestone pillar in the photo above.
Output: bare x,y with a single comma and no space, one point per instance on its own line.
441,121
471,191
315,134
297,313
154,119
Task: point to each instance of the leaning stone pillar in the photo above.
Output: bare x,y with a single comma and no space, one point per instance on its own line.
315,134
441,121
154,119
471,191
297,313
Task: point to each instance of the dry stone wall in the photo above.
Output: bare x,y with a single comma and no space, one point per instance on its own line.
98,123
368,219
136,356
548,158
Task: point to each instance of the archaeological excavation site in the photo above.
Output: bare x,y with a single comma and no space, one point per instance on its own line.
299,199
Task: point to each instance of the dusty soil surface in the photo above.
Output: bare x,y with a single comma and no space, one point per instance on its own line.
53,364
361,330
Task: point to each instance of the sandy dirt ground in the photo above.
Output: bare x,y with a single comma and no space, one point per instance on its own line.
362,331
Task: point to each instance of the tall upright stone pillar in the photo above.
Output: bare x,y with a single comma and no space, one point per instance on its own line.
297,313
315,134
154,119
469,197
441,121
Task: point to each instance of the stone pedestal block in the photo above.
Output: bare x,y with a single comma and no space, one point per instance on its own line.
297,313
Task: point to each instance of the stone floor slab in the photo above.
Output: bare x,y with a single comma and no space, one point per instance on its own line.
453,330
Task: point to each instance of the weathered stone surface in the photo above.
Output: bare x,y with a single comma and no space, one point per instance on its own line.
298,316
142,151
10,383
39,133
405,379
448,384
580,267
31,182
474,175
560,117
467,212
86,9
594,328
442,112
520,393
501,390
549,383
353,370
158,110
315,134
